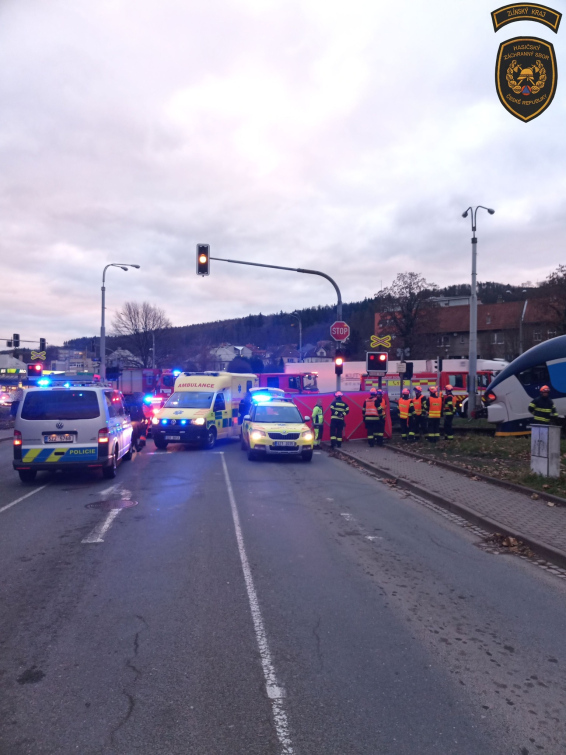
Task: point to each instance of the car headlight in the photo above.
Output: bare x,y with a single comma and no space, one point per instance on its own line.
155,421
258,435
307,435
198,421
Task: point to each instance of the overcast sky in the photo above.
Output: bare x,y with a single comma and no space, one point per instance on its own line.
342,136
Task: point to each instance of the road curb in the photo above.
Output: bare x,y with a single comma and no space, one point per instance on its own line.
543,550
515,487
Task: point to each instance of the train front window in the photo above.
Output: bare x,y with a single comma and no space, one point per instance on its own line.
534,376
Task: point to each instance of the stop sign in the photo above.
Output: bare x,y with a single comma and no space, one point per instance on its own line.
340,330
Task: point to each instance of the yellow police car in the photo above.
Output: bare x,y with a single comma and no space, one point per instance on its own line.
275,426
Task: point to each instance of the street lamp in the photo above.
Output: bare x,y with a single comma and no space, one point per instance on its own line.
294,314
124,266
473,355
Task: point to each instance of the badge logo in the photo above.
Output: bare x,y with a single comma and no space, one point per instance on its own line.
526,76
526,12
59,425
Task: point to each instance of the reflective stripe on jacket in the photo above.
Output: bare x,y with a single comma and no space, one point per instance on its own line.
449,408
338,409
369,408
434,404
543,410
418,404
317,416
406,408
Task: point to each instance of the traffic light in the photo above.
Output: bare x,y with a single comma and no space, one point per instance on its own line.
42,344
339,363
376,361
203,259
16,340
35,370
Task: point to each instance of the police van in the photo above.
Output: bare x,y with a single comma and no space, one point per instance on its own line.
203,408
71,426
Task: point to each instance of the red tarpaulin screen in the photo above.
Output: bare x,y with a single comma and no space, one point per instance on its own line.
355,427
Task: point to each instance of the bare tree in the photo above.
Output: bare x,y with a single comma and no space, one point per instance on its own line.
407,312
137,324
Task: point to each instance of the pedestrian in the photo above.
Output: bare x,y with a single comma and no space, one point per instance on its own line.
542,408
338,411
318,422
381,415
406,414
372,410
245,405
449,411
419,418
434,413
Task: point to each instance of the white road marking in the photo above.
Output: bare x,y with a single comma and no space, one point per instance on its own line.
347,517
23,498
97,535
275,692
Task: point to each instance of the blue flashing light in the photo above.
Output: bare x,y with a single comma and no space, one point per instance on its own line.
43,382
147,399
183,421
163,421
176,373
262,397
66,385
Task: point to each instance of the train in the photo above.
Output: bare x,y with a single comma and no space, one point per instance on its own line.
509,394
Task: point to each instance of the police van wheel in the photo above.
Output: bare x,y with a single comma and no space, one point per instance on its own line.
129,453
209,439
27,475
110,472
306,456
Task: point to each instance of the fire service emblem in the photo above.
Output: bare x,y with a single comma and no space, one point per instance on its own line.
526,76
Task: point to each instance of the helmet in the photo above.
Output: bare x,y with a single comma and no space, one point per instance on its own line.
545,389
448,387
405,392
379,392
418,388
373,391
338,393
432,389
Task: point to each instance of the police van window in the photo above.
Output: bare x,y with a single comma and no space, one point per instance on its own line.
189,400
219,403
535,376
53,405
112,405
273,382
456,381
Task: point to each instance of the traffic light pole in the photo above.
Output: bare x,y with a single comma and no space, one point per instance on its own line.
297,270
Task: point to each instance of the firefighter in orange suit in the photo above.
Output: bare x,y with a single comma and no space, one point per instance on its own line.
419,420
406,414
449,410
373,413
434,413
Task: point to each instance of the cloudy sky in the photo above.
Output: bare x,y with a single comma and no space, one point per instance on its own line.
342,136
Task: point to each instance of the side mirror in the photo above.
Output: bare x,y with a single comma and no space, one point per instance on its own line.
306,418
247,418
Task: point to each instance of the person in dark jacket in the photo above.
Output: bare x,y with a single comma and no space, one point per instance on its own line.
542,408
245,405
373,413
449,410
338,411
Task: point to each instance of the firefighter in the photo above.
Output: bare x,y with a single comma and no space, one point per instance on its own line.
434,413
338,411
406,414
542,408
419,419
381,414
318,422
449,410
371,411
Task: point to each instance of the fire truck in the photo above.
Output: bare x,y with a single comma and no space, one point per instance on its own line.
290,382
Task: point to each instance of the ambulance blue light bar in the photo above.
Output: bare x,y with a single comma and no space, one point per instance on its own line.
176,373
261,397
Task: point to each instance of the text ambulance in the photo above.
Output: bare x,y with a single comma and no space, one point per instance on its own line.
204,407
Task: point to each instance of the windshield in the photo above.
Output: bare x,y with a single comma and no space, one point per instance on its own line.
309,383
47,405
277,414
189,400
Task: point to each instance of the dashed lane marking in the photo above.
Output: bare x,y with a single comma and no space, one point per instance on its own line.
23,498
98,533
274,690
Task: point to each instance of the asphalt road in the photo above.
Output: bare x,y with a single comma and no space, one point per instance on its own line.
247,608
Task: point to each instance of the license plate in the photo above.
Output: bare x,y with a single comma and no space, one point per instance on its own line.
284,443
172,437
59,438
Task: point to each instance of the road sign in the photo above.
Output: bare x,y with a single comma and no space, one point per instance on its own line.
340,330
42,355
377,341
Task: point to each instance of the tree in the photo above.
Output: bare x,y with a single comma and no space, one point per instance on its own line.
553,289
239,364
137,324
407,312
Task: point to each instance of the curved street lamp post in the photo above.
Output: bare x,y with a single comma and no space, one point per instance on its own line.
124,266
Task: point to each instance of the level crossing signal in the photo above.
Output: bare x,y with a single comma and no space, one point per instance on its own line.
203,259
376,361
339,363
35,370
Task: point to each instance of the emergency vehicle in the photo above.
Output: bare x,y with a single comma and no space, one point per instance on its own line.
290,382
203,408
275,426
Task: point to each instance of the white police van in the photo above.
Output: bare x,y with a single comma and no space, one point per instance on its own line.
70,426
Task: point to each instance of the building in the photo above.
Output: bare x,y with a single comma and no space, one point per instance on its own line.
222,355
505,329
73,361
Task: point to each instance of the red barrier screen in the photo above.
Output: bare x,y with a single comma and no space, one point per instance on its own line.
354,428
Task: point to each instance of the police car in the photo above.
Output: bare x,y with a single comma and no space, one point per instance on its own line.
275,426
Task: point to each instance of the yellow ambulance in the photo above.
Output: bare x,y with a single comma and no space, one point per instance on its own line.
203,408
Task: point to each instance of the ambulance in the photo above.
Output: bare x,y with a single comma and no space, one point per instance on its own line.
203,408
